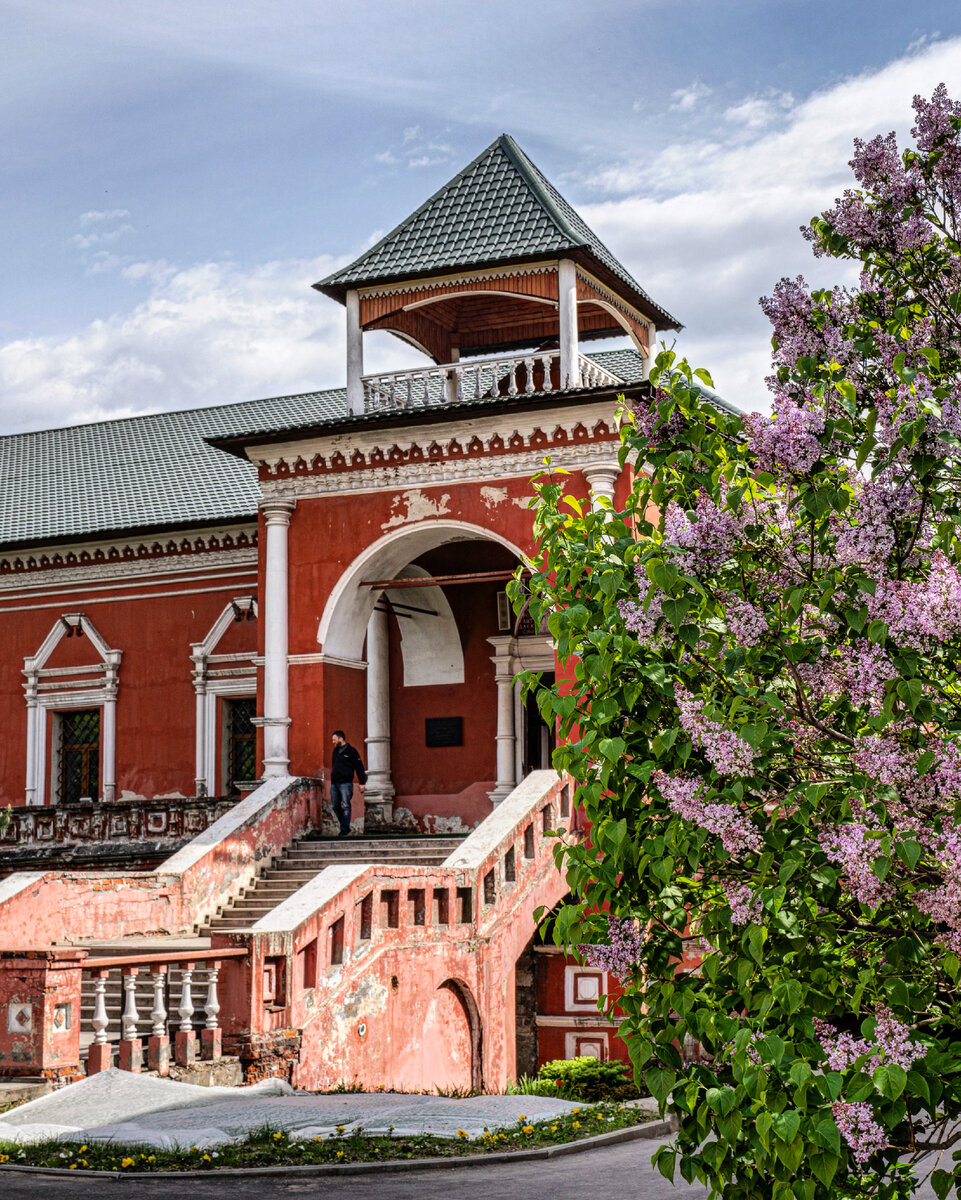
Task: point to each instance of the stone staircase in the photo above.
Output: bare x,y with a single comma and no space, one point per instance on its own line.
305,857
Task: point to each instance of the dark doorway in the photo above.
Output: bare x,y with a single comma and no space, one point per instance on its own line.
79,756
538,738
241,742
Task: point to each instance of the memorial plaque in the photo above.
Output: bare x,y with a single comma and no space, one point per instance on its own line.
444,731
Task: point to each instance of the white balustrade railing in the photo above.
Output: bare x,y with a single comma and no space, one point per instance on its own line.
113,986
451,383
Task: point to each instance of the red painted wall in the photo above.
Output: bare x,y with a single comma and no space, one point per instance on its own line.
155,701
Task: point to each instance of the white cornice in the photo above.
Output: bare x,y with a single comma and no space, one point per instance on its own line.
443,472
45,566
482,426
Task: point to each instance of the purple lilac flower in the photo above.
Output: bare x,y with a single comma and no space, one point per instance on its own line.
745,623
730,824
859,1129
788,440
727,753
622,955
892,1043
920,613
705,543
852,849
745,907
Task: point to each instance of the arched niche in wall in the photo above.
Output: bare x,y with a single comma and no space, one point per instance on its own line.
430,643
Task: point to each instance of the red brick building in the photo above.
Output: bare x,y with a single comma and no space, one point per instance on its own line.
192,602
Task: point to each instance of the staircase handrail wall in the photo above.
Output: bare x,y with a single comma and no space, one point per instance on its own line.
484,906
45,908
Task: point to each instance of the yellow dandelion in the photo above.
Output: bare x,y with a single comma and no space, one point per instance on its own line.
73,1166
575,1125
553,1129
521,1119
528,1129
340,1154
340,1129
81,1150
126,1162
277,1136
462,1133
207,1158
318,1139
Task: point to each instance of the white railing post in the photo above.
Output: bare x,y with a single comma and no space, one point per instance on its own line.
131,1047
158,1044
210,1035
101,1052
185,1042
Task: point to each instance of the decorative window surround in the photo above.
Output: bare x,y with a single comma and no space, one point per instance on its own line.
118,558
52,688
215,676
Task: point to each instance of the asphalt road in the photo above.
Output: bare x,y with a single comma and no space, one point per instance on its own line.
620,1172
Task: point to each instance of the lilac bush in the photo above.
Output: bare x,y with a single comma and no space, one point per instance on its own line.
764,718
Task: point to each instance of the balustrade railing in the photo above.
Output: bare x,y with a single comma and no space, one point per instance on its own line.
199,967
452,383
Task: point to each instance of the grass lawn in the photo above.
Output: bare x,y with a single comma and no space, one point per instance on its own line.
268,1148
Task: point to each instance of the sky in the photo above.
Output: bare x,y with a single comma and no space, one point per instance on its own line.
175,174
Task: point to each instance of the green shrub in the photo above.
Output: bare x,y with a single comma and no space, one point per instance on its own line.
589,1079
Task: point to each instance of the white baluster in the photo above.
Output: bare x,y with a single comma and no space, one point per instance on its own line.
529,368
130,1016
212,1004
158,1014
100,1020
186,1009
546,360
493,392
512,378
458,383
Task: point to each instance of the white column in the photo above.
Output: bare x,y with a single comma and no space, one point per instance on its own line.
567,315
601,478
651,350
355,354
379,796
201,784
276,719
34,786
504,678
109,732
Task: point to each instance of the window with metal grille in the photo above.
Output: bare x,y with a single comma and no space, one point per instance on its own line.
79,755
241,741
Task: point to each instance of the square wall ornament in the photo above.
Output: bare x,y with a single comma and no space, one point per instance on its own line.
583,987
62,1018
19,1017
587,1045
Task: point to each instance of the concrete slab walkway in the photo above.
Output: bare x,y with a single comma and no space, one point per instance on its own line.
121,1107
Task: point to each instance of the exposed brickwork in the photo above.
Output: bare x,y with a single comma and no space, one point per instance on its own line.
265,1055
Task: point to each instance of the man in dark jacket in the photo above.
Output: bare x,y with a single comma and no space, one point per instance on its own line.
345,764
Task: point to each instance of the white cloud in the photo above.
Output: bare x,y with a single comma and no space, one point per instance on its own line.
86,241
710,225
96,217
754,112
686,99
416,149
207,334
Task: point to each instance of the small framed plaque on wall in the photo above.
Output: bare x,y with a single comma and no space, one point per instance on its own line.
444,731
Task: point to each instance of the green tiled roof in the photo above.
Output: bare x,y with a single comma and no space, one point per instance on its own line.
499,209
140,472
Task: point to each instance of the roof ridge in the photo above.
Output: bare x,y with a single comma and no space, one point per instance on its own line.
535,182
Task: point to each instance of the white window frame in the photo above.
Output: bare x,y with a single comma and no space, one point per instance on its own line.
49,689
216,676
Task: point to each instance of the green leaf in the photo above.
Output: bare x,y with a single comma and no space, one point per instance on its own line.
890,1080
942,1183
825,1167
787,1124
659,1082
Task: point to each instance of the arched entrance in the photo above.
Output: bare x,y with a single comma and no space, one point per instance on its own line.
423,609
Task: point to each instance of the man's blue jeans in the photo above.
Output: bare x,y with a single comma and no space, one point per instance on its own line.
340,797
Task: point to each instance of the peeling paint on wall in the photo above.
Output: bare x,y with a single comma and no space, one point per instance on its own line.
492,496
419,508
